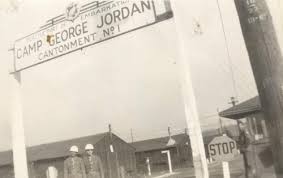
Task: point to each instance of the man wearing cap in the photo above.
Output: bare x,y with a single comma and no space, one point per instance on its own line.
73,165
93,164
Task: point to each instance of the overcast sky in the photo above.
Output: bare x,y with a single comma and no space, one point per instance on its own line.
131,81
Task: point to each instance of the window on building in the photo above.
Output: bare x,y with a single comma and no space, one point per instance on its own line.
257,127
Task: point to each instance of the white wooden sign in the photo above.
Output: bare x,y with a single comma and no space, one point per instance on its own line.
84,25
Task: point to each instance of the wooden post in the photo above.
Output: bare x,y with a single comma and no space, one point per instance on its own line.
132,136
106,144
281,17
225,167
267,64
148,166
234,102
181,15
226,170
169,132
110,131
167,152
220,123
18,135
111,139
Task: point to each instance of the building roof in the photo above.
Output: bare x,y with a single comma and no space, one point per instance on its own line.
52,150
231,131
161,142
243,109
158,143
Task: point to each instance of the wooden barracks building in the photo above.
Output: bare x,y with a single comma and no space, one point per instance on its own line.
259,152
180,152
117,164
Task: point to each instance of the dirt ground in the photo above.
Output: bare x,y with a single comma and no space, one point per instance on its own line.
215,171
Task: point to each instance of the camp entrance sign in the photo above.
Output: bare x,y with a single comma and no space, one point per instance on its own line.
222,149
84,25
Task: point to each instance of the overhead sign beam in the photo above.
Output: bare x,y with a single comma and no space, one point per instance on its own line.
86,25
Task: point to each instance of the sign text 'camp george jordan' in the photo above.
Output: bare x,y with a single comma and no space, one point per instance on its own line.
83,25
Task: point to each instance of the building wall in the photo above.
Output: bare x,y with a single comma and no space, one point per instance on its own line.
260,159
257,126
185,155
6,171
38,169
126,156
180,156
158,161
123,156
259,152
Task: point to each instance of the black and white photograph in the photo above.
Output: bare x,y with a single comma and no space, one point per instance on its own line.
141,89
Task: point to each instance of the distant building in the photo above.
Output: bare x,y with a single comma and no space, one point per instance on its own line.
180,150
50,157
259,152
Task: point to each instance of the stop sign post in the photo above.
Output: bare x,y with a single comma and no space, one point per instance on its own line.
222,149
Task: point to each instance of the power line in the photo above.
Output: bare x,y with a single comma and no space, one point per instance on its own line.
227,49
209,116
244,88
154,134
243,76
245,80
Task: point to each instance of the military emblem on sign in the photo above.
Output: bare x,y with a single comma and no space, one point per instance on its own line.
72,11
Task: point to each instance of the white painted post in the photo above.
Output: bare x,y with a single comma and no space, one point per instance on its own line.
51,172
226,170
148,167
169,160
18,136
181,16
225,167
281,18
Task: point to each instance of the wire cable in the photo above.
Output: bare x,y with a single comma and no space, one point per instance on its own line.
227,49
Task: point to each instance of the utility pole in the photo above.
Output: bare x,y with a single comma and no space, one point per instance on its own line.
132,136
110,130
181,17
267,64
220,123
169,132
111,140
171,141
281,17
233,102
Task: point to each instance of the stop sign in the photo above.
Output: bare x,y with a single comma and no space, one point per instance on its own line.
222,148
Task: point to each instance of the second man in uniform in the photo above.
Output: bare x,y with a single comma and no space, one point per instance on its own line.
93,164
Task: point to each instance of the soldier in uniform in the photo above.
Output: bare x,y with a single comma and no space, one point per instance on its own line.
93,164
243,144
74,166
